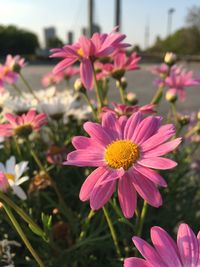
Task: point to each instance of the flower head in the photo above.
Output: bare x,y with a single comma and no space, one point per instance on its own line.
51,79
13,173
15,63
24,125
127,110
87,50
127,151
166,253
121,64
178,79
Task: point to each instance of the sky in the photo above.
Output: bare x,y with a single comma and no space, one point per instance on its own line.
66,15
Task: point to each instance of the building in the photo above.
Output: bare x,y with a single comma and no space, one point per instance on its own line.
49,33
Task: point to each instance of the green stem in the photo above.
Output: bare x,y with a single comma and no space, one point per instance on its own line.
112,231
174,112
122,95
54,185
86,224
29,87
142,218
99,101
158,96
17,90
17,147
22,235
85,95
21,213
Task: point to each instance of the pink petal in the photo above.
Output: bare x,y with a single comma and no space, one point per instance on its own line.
136,262
84,157
148,252
151,175
86,73
11,118
90,182
127,196
165,247
188,246
82,142
158,163
64,64
98,133
101,194
163,134
86,45
163,149
146,189
146,129
109,121
132,125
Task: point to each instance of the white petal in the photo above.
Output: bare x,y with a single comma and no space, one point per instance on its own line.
20,168
10,165
22,180
17,190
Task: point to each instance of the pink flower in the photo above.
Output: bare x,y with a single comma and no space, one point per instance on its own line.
161,70
51,79
23,125
7,76
178,79
127,110
124,150
4,185
121,64
166,253
87,50
14,63
70,72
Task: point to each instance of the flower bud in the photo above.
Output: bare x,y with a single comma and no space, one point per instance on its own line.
184,119
122,83
131,98
171,96
198,115
78,86
170,58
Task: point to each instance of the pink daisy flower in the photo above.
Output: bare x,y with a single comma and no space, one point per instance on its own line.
127,110
51,79
87,50
15,63
127,151
23,125
178,79
166,253
121,64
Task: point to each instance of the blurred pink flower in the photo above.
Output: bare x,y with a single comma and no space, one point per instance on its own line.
22,125
166,253
127,110
178,79
124,150
121,64
15,63
4,185
162,70
51,79
87,50
70,72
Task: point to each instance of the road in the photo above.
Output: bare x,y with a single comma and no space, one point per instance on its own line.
139,82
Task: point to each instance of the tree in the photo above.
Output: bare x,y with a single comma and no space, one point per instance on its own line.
17,41
193,17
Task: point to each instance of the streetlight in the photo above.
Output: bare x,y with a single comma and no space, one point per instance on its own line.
169,20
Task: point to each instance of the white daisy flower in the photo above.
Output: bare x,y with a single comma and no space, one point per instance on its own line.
18,104
13,173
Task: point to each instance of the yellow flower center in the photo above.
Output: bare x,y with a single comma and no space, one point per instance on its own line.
10,176
80,52
121,153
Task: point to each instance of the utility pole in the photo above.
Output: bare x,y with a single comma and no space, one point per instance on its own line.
91,17
169,21
118,14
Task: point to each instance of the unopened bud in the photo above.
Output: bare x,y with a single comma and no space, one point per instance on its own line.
78,86
131,98
171,96
170,58
121,83
198,115
184,119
